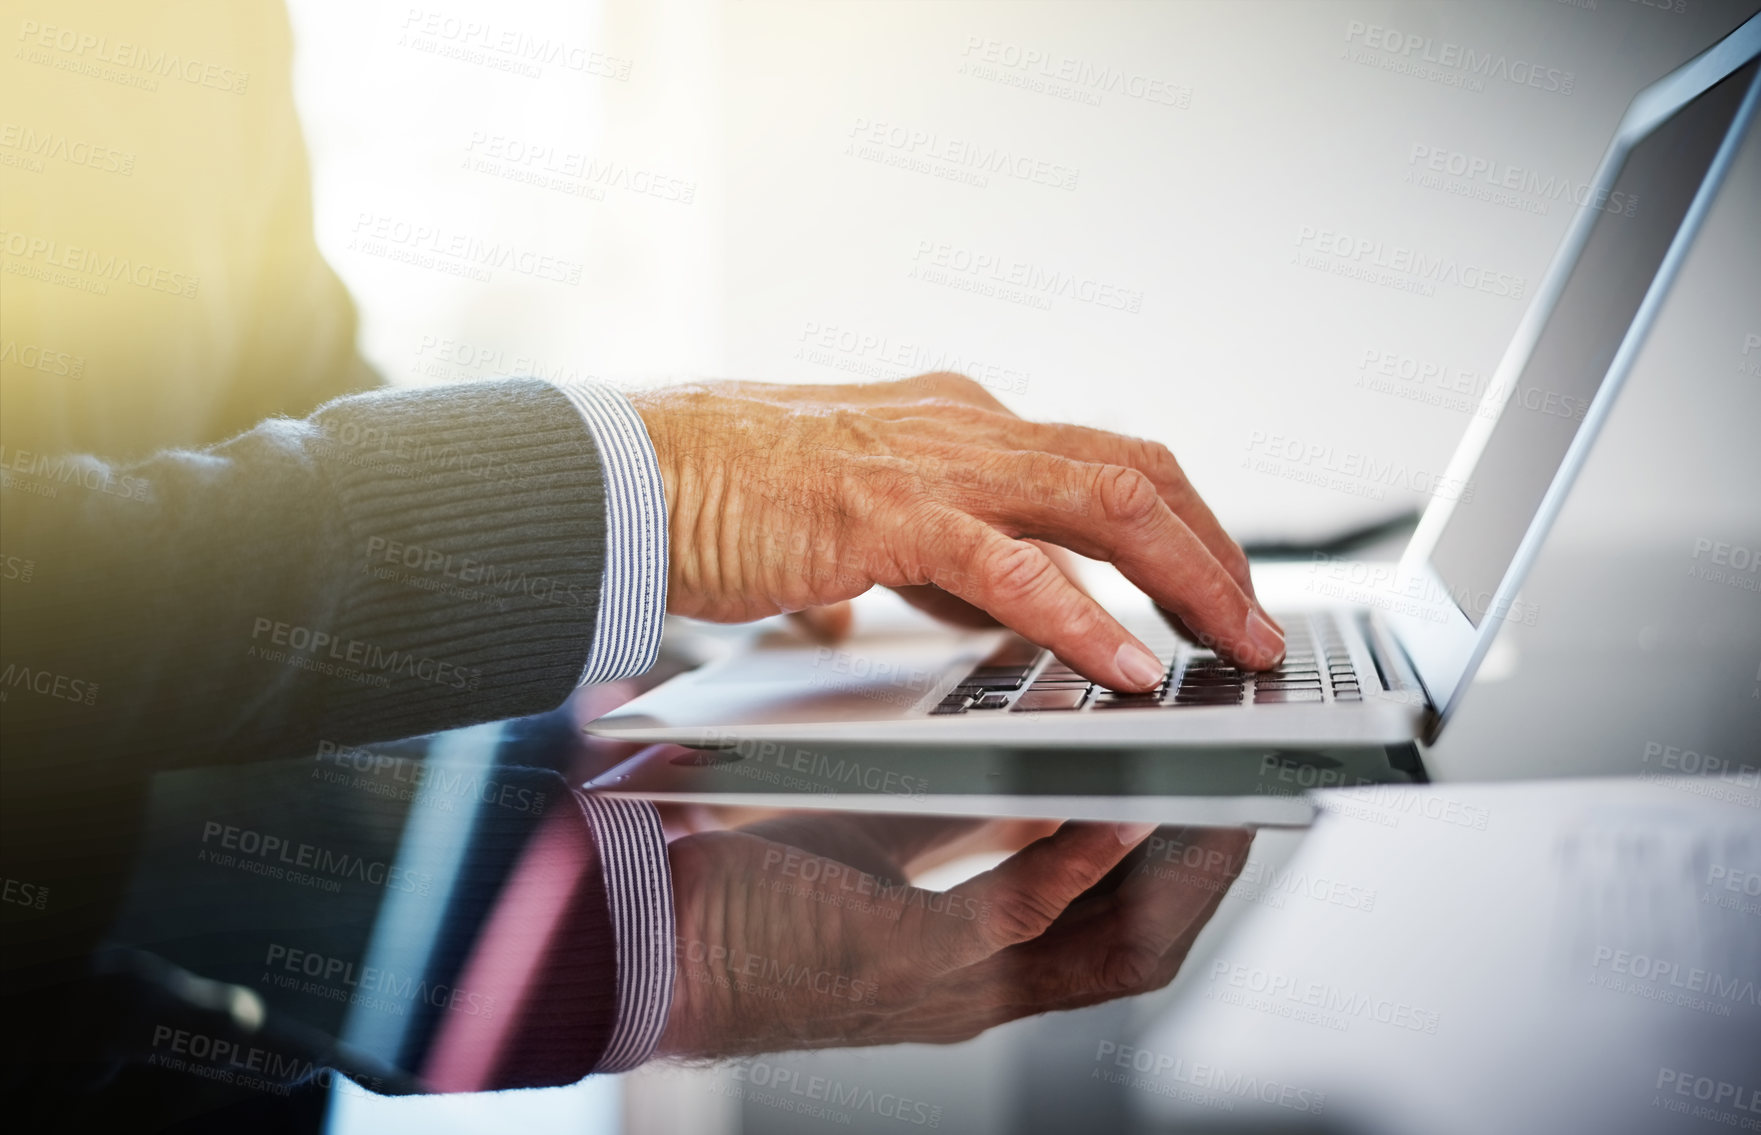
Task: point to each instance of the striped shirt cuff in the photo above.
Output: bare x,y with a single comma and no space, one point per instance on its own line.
639,893
632,591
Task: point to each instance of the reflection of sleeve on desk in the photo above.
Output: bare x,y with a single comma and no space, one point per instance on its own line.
579,949
539,951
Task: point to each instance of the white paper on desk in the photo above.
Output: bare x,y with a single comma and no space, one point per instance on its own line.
1480,991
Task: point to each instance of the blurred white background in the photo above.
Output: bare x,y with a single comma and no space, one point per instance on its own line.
799,191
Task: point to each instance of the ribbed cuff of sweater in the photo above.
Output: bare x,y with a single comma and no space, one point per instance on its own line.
476,515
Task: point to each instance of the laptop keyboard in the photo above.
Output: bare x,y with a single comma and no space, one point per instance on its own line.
1019,677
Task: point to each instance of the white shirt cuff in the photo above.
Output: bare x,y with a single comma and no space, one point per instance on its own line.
632,591
639,893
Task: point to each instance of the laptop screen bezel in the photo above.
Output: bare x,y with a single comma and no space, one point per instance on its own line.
1441,642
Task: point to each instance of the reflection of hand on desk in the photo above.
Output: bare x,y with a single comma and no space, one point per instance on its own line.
801,932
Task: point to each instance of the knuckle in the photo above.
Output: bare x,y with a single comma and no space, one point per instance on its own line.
955,382
1129,967
849,429
1214,594
864,486
1016,574
1235,561
953,408
1127,495
950,948
1022,914
1160,458
856,489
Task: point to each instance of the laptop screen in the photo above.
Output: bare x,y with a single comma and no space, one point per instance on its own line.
1638,220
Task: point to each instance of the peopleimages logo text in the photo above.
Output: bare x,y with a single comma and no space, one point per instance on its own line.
935,260
1502,175
81,49
227,844
319,644
1431,268
1424,49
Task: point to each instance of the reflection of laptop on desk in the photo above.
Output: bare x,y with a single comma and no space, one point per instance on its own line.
1386,672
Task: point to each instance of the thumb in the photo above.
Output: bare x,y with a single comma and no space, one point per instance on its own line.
826,625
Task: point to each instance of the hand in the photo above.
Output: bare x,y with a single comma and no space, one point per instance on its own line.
799,933
787,497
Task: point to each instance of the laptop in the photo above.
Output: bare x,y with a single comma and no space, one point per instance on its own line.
1388,671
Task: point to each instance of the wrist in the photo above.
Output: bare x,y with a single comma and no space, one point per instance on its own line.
686,1011
688,434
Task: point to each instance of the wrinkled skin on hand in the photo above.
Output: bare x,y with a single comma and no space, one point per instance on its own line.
784,498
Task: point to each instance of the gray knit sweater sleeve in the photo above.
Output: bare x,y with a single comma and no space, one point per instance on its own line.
398,563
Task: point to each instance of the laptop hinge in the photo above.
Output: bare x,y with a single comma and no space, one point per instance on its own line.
1395,669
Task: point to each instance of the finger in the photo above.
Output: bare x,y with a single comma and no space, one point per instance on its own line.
959,426
826,625
1127,943
1155,461
1025,591
1173,892
1113,512
991,838
1066,562
1095,446
1019,898
933,601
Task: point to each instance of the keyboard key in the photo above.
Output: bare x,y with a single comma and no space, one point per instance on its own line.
1075,681
1282,697
1045,701
1263,685
1350,695
1184,698
951,705
993,682
992,701
1135,701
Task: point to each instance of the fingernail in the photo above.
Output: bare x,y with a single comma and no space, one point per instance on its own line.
1138,665
1133,834
1264,636
1267,615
